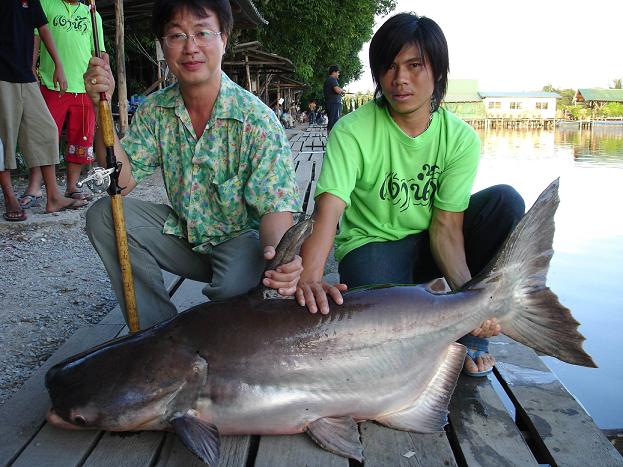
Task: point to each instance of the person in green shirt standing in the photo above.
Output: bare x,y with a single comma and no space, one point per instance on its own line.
25,122
398,172
70,26
226,165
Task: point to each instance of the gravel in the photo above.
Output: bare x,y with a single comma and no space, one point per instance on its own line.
51,283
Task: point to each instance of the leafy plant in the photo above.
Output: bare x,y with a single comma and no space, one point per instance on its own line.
315,34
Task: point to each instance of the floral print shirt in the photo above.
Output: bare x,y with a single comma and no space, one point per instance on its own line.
221,184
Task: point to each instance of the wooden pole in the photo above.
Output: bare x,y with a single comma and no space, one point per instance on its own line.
108,135
246,61
122,90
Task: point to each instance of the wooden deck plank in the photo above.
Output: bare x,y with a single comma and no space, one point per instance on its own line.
304,171
234,453
23,415
303,175
189,294
297,145
116,316
556,421
295,451
384,447
56,447
311,201
126,450
486,433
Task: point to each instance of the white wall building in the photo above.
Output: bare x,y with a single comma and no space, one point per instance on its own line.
520,105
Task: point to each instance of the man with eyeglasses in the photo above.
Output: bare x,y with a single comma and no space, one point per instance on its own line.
226,166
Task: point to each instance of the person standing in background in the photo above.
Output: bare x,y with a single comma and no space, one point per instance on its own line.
25,121
333,96
70,25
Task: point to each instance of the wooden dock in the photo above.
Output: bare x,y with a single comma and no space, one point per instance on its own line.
521,416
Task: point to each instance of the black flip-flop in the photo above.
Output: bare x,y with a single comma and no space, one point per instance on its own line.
22,216
33,201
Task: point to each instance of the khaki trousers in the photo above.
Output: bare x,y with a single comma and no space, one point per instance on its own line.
26,122
232,268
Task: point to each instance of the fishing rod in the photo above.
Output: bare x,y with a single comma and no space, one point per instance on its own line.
111,175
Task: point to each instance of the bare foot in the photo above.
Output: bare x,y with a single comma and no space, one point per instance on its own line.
483,362
62,204
12,204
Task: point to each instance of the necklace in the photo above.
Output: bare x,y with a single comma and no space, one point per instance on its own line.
69,12
430,119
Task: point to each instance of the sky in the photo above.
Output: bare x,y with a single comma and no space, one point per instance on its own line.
523,46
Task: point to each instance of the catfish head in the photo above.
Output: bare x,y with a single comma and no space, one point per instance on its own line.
138,382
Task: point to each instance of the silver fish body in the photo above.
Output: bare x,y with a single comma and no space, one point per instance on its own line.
266,366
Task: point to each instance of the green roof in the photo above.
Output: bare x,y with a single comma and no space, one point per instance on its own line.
462,90
601,95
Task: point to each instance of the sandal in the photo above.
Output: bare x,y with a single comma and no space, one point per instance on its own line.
79,195
476,347
15,216
27,201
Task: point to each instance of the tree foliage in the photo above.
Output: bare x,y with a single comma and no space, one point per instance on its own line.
567,108
314,34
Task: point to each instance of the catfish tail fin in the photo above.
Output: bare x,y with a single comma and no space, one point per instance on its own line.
527,309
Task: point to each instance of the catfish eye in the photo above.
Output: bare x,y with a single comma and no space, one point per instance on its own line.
196,369
79,420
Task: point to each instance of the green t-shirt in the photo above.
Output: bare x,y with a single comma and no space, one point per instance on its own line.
390,181
71,30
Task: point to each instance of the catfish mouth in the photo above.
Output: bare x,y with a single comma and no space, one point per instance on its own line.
56,420
149,416
53,418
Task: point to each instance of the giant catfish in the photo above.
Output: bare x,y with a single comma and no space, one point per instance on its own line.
251,365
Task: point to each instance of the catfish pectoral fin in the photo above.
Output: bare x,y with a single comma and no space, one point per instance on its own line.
429,413
339,435
200,437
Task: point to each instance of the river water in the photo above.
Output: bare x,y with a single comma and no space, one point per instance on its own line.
586,271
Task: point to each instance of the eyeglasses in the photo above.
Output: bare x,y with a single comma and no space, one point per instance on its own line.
201,39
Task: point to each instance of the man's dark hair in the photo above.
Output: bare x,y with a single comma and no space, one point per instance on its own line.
333,69
404,29
164,10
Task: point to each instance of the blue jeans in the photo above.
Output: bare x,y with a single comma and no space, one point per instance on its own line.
333,115
491,215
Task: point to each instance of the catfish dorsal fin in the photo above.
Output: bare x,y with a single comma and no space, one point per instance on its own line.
287,249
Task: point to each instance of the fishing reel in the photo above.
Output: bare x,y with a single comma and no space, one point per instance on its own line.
98,179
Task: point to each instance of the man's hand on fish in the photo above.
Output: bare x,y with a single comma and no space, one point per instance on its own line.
285,278
314,295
